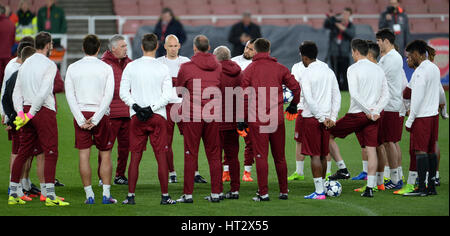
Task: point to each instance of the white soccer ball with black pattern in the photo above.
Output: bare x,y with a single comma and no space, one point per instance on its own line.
287,95
332,188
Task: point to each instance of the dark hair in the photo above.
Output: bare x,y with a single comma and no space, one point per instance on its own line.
201,42
262,45
422,48
374,49
21,46
27,39
26,53
386,34
360,46
91,44
349,10
309,49
42,39
168,10
149,42
252,41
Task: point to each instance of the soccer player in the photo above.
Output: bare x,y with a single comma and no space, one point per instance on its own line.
243,61
297,71
423,120
37,117
368,96
263,76
174,61
89,87
322,101
229,139
146,87
392,64
116,57
201,74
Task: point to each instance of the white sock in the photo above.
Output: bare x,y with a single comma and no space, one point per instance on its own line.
248,168
214,195
26,184
328,167
365,166
130,195
89,192
387,172
371,181
412,176
319,185
300,166
165,194
187,196
50,187
14,188
380,179
106,190
394,176
174,173
400,173
43,189
226,168
341,164
437,174
197,173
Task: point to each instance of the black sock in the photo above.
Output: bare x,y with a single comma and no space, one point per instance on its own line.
432,162
422,168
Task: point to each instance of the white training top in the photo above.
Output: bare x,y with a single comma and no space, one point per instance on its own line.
89,86
367,85
297,70
406,102
34,84
322,98
10,68
242,62
174,65
146,82
426,90
392,64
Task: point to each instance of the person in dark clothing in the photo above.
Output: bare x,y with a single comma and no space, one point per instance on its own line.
242,32
395,18
342,32
168,25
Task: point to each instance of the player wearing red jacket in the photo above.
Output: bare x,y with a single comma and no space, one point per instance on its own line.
264,115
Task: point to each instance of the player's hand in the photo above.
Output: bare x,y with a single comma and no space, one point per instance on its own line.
8,128
388,17
22,119
291,112
242,129
375,117
408,129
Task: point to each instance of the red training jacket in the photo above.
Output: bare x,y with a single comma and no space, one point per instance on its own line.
231,78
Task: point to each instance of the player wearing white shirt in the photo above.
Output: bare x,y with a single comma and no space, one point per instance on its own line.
146,87
390,133
89,86
37,116
322,101
173,62
423,120
244,61
368,96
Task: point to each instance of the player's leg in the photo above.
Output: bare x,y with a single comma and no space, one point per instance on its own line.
211,141
260,148
392,157
170,132
299,158
248,160
381,157
226,177
277,146
86,174
363,174
342,172
230,145
123,146
438,154
115,125
412,174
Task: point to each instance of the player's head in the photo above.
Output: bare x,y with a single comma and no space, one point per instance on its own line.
27,39
167,15
201,44
308,52
20,48
249,51
43,43
374,51
149,43
118,46
262,45
385,39
418,51
172,46
91,45
359,49
246,18
26,53
222,53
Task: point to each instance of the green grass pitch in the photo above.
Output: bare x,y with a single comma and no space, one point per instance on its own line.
148,191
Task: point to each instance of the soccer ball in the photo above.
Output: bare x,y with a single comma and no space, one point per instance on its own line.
287,95
332,188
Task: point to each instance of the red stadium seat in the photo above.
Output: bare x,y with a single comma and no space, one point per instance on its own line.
14,5
149,22
271,9
149,11
197,2
200,22
246,2
372,22
131,26
318,6
224,10
299,9
367,9
276,22
221,2
180,11
226,22
441,26
268,2
173,3
149,3
199,10
253,9
422,25
438,6
416,9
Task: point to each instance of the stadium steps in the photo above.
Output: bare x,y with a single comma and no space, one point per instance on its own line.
80,27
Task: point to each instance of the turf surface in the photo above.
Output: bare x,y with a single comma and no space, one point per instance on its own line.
148,191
